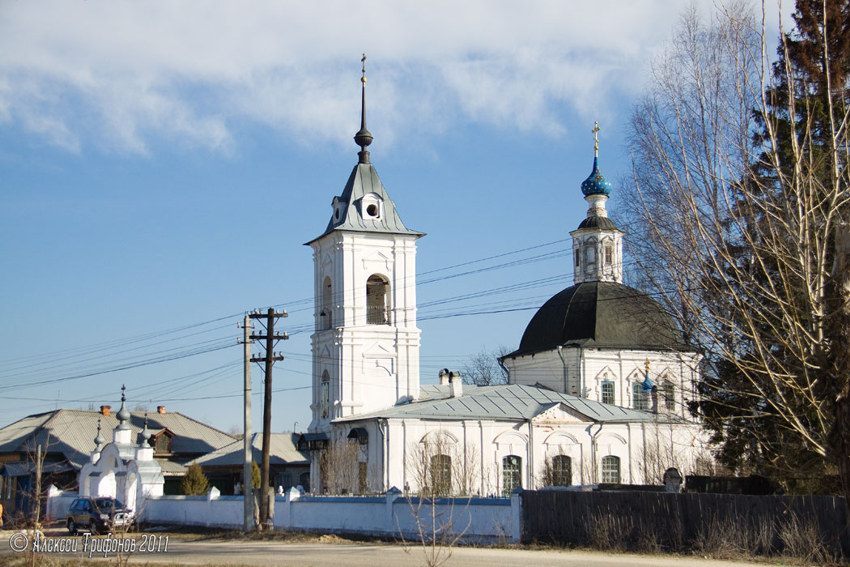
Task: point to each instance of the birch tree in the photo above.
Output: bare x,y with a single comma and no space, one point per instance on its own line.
740,181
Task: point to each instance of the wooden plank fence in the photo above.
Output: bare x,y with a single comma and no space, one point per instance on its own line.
760,525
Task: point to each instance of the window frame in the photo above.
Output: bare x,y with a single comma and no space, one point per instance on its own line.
610,469
440,474
640,399
511,470
562,469
613,392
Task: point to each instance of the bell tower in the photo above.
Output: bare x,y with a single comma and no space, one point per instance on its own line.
366,343
597,242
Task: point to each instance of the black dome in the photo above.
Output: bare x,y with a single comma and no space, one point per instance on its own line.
603,315
596,221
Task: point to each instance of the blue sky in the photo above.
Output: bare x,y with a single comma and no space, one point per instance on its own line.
162,165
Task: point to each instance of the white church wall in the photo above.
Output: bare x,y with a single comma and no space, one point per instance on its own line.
555,369
478,449
584,370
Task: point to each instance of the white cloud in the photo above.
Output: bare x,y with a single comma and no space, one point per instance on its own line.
123,74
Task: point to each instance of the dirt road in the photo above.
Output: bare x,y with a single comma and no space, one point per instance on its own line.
194,551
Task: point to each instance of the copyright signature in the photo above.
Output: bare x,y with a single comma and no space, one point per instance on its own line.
19,542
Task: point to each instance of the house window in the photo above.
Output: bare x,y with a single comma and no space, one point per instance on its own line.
326,314
609,255
607,392
640,399
511,477
669,393
611,470
562,470
326,395
577,254
441,475
377,295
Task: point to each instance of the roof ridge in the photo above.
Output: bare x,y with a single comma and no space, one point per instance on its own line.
195,421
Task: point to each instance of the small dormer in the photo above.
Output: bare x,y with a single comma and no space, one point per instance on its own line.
161,442
371,207
339,210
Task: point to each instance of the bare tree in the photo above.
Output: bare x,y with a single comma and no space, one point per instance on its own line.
439,466
484,368
552,473
661,452
736,236
436,532
339,467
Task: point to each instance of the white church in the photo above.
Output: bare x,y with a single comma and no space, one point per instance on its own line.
123,469
597,389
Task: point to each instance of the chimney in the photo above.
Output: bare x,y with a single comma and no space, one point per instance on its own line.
160,410
456,384
444,377
105,411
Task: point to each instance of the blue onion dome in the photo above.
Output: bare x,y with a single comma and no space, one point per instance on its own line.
595,184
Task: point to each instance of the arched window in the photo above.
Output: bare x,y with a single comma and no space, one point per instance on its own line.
611,470
326,395
640,399
609,254
607,392
669,393
511,474
377,300
441,475
327,311
562,470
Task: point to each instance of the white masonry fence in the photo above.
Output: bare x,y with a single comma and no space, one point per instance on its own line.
485,520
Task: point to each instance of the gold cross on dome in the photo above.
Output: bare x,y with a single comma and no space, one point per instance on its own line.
595,137
363,78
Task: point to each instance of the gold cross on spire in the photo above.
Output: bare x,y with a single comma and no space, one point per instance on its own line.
363,78
595,138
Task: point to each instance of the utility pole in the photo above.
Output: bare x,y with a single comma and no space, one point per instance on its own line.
247,465
39,464
271,337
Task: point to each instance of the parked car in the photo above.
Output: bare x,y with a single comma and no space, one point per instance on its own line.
98,515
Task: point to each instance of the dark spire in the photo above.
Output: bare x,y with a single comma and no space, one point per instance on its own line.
123,414
98,441
145,434
363,138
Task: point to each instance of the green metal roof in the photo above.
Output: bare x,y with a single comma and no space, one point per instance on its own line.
364,181
513,402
